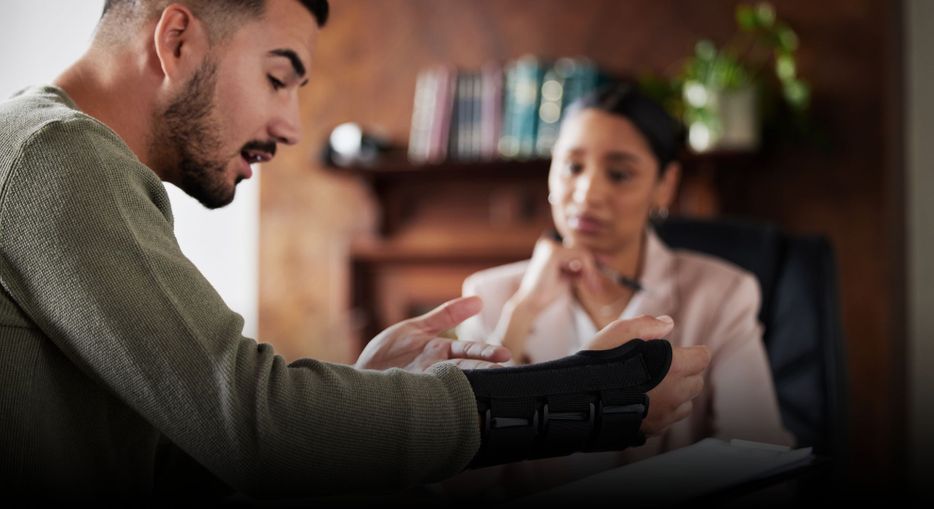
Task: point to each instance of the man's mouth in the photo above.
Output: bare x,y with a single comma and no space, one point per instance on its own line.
253,156
258,152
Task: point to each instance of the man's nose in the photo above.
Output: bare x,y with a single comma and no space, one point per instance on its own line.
286,128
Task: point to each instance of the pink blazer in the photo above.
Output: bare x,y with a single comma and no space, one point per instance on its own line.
712,302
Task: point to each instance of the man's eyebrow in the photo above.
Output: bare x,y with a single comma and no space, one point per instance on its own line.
293,58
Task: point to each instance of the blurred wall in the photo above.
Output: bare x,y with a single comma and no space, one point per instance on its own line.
40,39
919,22
365,69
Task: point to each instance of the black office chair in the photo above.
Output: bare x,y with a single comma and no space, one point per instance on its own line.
800,315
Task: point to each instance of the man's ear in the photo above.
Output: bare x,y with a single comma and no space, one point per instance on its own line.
181,43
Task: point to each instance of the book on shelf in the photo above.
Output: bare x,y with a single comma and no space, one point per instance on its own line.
455,125
497,112
491,114
444,111
567,80
431,115
464,143
520,106
422,109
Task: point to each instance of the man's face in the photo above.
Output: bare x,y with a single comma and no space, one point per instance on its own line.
239,105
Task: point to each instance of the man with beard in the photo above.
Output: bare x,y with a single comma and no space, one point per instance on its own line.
123,371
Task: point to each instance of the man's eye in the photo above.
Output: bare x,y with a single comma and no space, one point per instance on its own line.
276,84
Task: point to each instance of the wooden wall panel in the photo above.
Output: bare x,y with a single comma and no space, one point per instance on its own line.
365,69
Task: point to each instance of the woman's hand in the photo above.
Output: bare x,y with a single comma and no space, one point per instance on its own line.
672,399
552,269
414,344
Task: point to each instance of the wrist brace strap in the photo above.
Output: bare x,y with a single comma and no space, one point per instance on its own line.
590,401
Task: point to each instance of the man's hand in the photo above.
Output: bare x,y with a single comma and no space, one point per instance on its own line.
671,400
414,344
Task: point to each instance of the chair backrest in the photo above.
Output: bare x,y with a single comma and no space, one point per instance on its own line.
800,316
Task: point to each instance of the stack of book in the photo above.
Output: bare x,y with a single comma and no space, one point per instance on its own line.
510,112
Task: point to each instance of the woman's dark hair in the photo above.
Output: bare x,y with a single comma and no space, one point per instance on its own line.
664,134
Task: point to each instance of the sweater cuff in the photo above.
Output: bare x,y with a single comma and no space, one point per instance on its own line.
461,395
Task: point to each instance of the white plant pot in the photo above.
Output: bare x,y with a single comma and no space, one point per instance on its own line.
734,123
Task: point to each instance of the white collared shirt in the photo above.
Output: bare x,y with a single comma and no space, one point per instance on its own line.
584,327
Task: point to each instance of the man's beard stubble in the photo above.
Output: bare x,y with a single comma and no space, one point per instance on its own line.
188,135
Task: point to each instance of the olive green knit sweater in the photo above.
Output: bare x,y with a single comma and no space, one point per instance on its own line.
116,353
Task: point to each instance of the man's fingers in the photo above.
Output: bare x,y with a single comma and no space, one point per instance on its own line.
482,351
448,315
472,364
622,331
690,360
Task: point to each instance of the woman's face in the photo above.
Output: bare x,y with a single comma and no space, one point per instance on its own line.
604,181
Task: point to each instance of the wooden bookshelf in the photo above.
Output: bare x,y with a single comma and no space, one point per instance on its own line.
401,169
440,223
400,186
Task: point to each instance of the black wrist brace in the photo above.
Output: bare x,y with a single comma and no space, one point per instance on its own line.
590,401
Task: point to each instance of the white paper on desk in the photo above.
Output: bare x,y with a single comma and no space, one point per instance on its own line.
704,468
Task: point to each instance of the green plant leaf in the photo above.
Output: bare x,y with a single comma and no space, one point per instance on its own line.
785,66
787,38
765,14
766,45
797,93
705,50
746,18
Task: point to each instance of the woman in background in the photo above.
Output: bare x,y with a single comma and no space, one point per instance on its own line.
613,168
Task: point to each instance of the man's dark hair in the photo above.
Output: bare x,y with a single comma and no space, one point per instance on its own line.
220,15
625,99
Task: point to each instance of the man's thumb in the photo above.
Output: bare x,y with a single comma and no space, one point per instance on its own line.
448,315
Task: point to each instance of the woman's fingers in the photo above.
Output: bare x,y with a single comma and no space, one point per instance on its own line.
642,327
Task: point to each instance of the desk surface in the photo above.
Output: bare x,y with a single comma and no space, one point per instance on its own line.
708,470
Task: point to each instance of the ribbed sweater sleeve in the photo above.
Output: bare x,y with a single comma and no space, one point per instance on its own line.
90,256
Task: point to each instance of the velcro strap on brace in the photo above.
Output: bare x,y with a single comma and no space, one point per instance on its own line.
590,401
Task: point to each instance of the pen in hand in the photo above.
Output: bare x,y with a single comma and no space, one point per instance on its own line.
609,272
